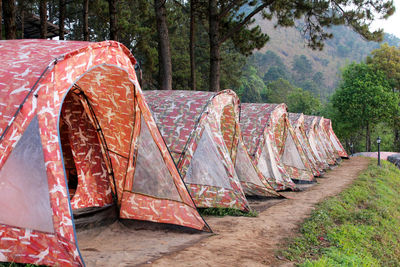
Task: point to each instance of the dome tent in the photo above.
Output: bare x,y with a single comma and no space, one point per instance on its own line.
254,183
186,109
201,130
332,152
333,138
316,142
88,94
258,120
297,122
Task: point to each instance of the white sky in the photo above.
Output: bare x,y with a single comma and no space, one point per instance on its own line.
392,24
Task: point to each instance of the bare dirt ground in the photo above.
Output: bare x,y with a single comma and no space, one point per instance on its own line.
236,241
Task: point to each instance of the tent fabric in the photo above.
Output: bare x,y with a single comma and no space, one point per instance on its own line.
313,134
253,182
297,122
274,117
333,138
258,137
326,140
35,78
94,187
201,131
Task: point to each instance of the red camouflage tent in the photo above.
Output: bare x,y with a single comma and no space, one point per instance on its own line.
297,123
333,138
88,94
257,122
274,117
201,131
326,140
313,132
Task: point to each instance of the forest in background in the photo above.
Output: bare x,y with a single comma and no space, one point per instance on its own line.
266,51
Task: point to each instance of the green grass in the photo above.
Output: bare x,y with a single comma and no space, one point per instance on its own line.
359,227
221,212
12,264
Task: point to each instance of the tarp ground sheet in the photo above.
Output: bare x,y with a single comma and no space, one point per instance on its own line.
38,121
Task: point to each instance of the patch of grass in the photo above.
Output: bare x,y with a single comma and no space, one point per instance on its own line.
221,212
359,227
13,264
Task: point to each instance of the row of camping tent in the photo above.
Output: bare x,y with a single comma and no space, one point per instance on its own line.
81,144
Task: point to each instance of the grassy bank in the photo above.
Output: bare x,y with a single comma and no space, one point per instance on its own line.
359,227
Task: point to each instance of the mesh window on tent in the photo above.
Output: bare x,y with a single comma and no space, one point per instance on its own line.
24,191
244,168
291,156
152,176
206,167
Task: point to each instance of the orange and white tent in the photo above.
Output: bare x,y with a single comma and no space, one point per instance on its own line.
273,145
297,123
327,123
317,143
201,130
326,141
77,134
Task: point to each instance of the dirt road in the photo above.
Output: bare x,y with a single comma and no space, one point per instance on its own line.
237,241
241,241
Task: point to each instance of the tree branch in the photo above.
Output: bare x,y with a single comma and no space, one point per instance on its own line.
244,21
226,10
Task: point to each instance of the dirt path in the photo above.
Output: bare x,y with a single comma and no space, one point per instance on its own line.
241,241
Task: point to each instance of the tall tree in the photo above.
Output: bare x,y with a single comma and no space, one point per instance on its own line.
192,44
43,19
9,19
364,99
387,59
1,20
86,20
233,20
164,49
215,57
21,10
61,19
112,7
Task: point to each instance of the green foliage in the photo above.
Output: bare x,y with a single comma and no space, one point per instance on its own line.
300,101
252,89
279,90
302,68
13,264
387,60
274,73
360,227
363,99
221,212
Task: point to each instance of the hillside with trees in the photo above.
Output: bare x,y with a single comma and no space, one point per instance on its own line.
286,56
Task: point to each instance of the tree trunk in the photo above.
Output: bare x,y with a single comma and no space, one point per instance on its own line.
43,19
368,138
86,20
192,42
61,19
112,8
1,20
215,60
22,24
397,139
164,51
9,19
